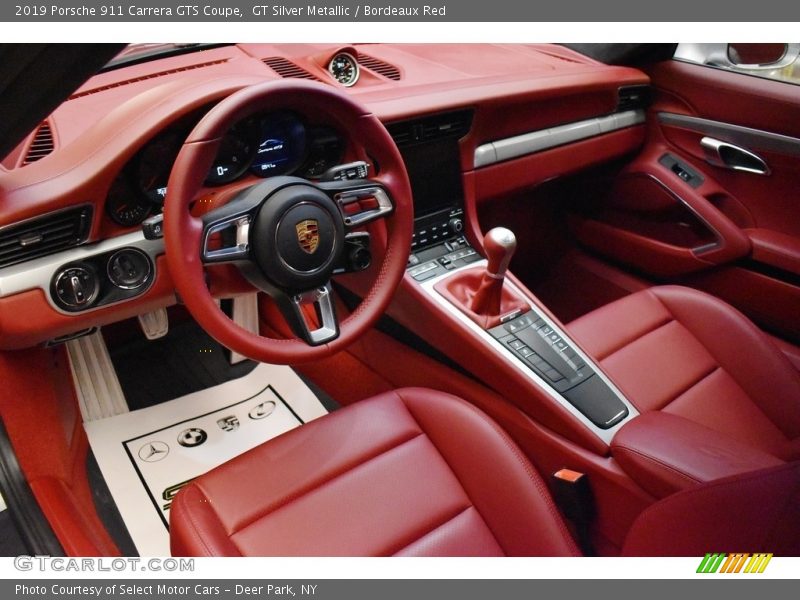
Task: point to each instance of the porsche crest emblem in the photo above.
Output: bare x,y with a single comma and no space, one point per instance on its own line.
308,235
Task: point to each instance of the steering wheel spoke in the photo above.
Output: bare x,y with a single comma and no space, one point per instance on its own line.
226,231
360,201
294,307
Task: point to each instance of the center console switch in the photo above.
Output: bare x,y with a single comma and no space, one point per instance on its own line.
437,260
540,348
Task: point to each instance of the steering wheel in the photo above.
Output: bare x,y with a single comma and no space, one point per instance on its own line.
288,235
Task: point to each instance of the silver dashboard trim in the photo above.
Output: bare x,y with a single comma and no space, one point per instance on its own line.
544,139
735,134
39,273
604,434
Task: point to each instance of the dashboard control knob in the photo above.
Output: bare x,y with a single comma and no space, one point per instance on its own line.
76,287
456,225
128,268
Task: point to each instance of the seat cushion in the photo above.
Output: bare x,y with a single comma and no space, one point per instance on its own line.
410,472
685,352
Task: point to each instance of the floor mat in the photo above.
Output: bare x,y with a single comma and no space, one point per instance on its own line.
146,456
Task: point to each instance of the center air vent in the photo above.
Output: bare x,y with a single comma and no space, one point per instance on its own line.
287,69
379,66
633,97
44,235
42,144
447,125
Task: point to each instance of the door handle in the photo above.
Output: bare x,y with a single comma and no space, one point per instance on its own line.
730,156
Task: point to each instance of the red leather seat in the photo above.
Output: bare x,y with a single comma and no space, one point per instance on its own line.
421,473
411,472
684,352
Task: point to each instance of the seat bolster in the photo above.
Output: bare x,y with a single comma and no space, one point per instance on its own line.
499,480
195,529
742,350
754,512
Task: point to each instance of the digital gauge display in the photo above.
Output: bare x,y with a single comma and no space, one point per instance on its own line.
280,147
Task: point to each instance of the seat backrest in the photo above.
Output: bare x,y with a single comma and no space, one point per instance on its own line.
752,512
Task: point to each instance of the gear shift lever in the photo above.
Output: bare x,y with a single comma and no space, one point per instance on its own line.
499,244
480,293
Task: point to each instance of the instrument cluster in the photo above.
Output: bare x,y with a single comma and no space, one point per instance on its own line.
280,143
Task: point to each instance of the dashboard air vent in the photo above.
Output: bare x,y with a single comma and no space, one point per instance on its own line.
633,97
379,66
287,69
117,84
44,235
446,125
42,144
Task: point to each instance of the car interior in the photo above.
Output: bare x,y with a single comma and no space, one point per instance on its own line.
400,299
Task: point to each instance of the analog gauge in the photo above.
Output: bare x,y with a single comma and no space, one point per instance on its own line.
234,156
154,163
325,150
281,145
344,69
126,205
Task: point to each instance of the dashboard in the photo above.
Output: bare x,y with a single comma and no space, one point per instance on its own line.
277,143
75,193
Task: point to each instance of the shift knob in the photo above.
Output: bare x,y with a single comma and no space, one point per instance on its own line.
499,244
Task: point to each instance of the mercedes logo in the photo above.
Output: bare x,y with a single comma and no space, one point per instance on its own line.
153,451
262,410
189,438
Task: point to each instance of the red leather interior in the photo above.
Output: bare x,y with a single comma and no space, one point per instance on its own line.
388,476
665,453
483,299
756,512
687,353
776,249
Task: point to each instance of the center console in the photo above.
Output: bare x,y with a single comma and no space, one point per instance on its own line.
450,272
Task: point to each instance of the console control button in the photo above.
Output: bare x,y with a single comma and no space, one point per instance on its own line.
128,268
76,287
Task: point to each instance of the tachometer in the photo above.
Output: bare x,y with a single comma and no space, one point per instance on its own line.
344,69
234,156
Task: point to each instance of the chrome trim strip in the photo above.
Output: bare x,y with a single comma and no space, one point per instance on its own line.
735,134
604,434
544,139
38,273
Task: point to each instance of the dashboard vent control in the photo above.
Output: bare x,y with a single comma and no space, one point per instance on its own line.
447,125
379,66
633,97
287,69
44,235
42,144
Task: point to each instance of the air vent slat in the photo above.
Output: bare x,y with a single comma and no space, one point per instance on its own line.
117,84
379,66
287,69
44,235
42,144
447,125
633,97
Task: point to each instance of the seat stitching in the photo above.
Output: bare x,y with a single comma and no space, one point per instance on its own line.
195,530
294,496
685,390
526,465
636,338
436,527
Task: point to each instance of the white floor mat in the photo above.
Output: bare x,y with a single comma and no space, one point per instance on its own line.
147,455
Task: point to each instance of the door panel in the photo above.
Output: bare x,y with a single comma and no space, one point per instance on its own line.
753,258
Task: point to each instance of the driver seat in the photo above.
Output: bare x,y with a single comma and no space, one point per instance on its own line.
415,472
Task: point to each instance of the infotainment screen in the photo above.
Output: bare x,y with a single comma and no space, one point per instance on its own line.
434,169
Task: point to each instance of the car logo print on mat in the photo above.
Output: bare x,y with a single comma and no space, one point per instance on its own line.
262,410
189,438
153,451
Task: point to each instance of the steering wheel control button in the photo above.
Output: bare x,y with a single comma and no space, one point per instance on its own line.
128,268
76,287
192,437
262,411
